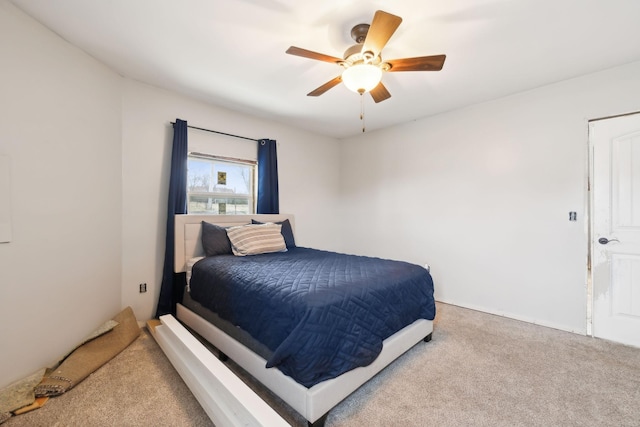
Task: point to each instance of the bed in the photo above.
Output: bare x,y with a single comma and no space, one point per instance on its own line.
298,381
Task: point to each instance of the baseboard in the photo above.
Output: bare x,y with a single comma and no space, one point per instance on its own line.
517,317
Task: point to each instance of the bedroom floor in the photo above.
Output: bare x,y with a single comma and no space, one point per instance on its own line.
479,370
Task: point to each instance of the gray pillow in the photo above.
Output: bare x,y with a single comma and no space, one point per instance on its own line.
215,240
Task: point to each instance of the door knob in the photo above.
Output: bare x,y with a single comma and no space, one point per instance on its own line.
604,240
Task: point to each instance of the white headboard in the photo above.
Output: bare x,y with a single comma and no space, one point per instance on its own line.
188,241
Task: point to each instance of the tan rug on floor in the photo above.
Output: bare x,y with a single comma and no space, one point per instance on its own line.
138,387
91,355
19,394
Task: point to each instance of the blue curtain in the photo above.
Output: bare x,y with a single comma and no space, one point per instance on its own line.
173,283
267,177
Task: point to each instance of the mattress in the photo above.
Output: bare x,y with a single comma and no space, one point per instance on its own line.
318,313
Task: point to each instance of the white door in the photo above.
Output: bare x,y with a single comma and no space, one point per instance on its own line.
615,228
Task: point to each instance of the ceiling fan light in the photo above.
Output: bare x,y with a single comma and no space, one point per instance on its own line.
362,77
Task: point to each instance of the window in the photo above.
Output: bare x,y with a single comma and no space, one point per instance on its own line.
220,185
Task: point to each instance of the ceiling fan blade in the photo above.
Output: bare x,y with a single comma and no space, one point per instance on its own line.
380,93
325,87
422,63
298,51
382,28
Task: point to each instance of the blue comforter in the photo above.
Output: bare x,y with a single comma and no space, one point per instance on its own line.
320,313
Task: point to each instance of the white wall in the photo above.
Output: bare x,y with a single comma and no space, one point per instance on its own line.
60,127
89,154
483,195
308,167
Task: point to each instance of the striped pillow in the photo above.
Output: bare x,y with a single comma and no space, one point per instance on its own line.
253,239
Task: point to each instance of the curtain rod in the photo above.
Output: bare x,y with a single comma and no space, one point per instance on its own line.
220,133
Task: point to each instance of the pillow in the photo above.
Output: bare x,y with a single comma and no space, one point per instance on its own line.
215,240
287,232
254,239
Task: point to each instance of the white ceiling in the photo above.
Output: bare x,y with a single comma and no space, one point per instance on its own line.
231,53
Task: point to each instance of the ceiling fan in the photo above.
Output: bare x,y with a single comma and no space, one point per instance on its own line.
362,62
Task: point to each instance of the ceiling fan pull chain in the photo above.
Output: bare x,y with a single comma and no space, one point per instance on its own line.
362,109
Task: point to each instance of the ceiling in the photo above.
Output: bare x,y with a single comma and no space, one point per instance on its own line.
231,53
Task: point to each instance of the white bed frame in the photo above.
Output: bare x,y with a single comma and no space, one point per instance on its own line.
312,403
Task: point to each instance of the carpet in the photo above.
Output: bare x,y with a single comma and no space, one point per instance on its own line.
138,387
479,370
91,355
18,394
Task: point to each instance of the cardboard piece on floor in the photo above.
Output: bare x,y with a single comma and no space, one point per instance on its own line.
38,403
